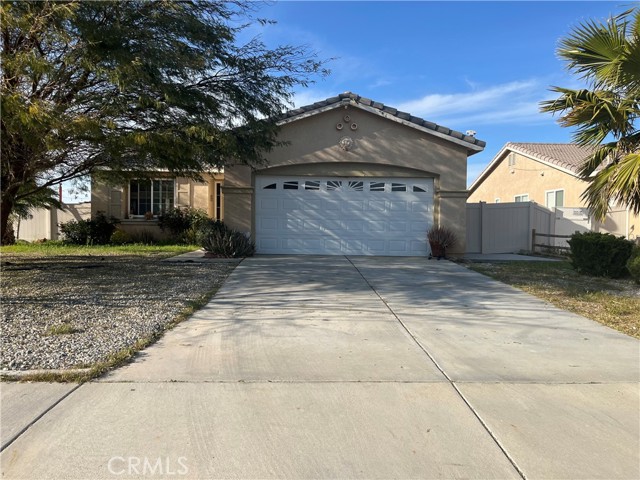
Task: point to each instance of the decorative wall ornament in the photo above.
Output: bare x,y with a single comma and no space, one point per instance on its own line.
339,126
354,126
347,118
346,143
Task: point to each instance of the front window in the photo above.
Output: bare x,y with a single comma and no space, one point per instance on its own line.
522,198
155,196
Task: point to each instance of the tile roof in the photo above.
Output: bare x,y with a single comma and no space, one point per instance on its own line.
355,99
566,155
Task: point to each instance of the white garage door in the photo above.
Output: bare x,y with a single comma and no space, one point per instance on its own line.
343,216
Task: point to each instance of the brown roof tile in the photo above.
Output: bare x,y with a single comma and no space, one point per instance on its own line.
352,97
565,155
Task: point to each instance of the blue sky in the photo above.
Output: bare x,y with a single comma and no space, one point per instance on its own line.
482,66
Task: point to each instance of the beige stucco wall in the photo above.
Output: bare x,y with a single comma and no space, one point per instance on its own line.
528,177
382,147
534,178
114,201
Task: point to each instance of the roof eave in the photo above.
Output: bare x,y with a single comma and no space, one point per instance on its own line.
471,147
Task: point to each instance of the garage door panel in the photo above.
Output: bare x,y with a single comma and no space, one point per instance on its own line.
376,226
311,226
268,224
338,216
267,243
376,247
376,205
397,246
400,227
349,206
269,204
397,206
420,207
353,225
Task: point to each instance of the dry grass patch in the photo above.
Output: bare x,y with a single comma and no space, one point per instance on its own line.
612,302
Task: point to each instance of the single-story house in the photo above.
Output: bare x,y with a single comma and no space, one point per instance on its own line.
545,173
354,177
357,177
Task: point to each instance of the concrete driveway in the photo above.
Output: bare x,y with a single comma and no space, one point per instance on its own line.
360,367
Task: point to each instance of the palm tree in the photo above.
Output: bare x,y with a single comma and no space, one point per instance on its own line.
43,198
607,57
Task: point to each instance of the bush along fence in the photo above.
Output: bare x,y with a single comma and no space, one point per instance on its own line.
600,254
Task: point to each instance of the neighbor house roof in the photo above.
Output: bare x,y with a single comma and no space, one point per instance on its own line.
567,157
472,144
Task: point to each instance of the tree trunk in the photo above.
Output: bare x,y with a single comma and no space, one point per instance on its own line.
5,211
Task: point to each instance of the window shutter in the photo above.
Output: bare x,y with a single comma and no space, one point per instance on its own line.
115,202
183,192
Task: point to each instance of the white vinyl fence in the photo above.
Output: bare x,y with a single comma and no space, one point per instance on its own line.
506,227
45,224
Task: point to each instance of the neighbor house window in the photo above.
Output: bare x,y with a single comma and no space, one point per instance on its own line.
555,198
522,198
155,196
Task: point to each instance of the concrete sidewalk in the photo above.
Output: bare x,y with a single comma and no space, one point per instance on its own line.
334,367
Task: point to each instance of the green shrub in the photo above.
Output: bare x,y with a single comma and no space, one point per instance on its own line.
120,237
96,231
218,239
76,232
208,228
183,223
633,265
600,254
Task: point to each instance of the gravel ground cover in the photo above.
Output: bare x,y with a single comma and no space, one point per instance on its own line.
71,312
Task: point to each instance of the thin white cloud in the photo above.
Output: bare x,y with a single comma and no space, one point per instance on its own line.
380,83
309,96
437,104
516,101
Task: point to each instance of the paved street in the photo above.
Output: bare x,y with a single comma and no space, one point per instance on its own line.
359,367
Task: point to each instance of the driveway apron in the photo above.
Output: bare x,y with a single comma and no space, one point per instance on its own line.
359,367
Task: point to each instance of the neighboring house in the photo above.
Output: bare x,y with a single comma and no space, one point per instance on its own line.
356,177
138,203
547,173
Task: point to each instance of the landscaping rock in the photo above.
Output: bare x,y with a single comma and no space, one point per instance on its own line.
109,304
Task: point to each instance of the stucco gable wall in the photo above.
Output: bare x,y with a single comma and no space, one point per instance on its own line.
315,140
530,177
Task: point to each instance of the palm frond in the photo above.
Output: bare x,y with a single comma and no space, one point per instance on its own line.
596,114
617,182
604,54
